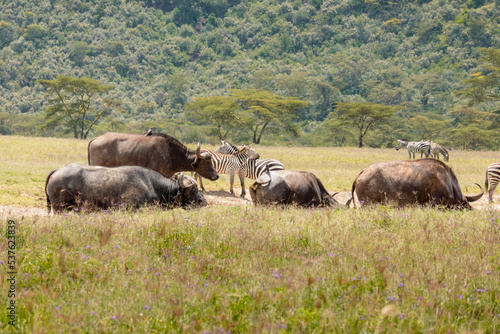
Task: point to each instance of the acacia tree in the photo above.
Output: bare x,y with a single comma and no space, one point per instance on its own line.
264,109
220,111
75,103
363,116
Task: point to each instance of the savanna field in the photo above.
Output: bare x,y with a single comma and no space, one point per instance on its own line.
233,267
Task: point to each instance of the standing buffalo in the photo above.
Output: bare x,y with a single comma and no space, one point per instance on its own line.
76,185
156,151
290,187
423,181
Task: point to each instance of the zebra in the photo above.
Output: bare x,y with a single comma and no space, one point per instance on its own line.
421,147
226,148
436,149
253,168
230,164
492,177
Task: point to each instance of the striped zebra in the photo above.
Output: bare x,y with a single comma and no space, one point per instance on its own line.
254,167
421,147
492,177
226,148
436,149
230,164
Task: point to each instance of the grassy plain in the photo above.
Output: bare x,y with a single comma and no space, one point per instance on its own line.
247,269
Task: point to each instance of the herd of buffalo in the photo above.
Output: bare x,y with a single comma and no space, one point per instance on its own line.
133,170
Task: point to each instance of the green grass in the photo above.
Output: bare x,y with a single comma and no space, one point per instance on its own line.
249,269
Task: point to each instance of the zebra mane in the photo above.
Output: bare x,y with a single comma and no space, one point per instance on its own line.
241,150
234,147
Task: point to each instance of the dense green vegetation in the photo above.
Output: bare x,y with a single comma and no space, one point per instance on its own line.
160,54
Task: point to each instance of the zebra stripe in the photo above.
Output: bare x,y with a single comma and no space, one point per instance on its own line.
253,168
226,148
421,147
492,177
436,149
230,164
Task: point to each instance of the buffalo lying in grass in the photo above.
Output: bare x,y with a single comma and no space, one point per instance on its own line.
75,185
411,182
286,187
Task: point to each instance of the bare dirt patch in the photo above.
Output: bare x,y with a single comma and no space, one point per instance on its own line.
220,197
10,211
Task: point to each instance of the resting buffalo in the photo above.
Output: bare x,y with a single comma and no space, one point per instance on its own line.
423,181
290,187
157,151
76,185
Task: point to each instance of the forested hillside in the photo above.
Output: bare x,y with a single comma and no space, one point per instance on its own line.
160,55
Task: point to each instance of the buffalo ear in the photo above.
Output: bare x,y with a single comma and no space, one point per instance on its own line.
195,163
265,178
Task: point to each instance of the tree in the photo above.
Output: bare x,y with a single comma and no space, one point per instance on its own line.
220,111
469,116
426,128
75,103
363,116
473,137
483,86
335,132
264,109
6,33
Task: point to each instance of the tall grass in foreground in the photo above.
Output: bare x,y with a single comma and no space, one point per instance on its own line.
258,270
249,269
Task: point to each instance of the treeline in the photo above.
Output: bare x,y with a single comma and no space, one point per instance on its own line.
160,55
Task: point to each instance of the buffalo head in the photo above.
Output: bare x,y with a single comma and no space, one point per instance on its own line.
203,165
189,195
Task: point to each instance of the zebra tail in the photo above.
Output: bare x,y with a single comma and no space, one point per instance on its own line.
49,204
486,181
352,196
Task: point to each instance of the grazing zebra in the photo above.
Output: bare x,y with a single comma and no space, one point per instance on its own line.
230,164
421,147
436,149
492,177
253,167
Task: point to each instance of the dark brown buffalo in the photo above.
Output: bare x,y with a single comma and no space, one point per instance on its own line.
75,185
157,151
290,187
411,182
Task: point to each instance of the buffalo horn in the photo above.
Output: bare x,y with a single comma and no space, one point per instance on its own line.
179,180
204,155
474,198
198,151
